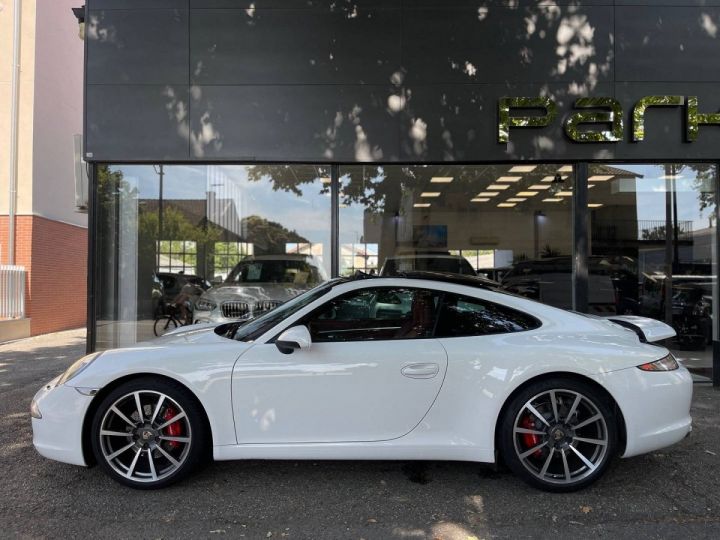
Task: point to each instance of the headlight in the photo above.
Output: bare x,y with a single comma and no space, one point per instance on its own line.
205,305
667,363
77,367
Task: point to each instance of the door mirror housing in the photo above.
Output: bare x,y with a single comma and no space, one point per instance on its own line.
297,337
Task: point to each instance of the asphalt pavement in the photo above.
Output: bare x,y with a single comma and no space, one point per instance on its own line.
673,493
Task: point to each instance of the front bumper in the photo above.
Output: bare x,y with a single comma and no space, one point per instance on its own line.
58,434
655,406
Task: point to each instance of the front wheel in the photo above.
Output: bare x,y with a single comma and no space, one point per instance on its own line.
559,434
149,433
164,324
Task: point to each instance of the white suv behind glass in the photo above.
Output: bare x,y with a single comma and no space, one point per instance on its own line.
258,284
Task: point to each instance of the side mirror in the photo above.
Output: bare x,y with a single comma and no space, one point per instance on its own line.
297,337
217,280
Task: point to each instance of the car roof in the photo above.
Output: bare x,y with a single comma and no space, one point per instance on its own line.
445,277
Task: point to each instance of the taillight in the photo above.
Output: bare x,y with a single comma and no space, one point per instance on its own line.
667,363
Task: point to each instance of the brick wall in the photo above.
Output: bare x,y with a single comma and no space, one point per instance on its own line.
54,255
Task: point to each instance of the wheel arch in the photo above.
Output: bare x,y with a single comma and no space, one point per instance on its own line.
105,390
622,428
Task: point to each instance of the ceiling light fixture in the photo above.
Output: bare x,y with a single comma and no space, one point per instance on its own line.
479,199
441,179
421,205
554,199
506,204
509,179
487,194
526,193
565,168
539,186
497,187
517,199
594,205
430,194
523,168
564,194
600,177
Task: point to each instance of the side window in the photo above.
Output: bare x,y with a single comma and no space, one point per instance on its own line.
380,313
465,316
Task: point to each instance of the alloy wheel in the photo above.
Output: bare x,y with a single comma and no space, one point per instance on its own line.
560,436
145,436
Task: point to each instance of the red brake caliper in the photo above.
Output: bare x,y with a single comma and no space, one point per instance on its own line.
530,440
173,430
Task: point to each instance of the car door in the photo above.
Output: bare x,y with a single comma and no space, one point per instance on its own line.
371,373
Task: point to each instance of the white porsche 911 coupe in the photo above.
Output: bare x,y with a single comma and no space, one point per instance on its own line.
423,366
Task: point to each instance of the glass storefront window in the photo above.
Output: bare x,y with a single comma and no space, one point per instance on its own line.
510,223
229,242
167,232
652,237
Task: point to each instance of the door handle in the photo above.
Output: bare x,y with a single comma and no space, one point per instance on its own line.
420,371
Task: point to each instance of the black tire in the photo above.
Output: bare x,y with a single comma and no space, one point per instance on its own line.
189,455
164,324
558,435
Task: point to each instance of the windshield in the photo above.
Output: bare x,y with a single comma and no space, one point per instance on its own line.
297,272
254,328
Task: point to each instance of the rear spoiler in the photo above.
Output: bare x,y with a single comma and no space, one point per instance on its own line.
648,330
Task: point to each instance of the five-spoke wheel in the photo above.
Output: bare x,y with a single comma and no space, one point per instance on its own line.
559,435
144,433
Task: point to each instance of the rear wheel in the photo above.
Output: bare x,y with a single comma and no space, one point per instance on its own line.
559,434
149,433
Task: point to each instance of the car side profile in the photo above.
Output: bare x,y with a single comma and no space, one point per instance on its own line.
416,367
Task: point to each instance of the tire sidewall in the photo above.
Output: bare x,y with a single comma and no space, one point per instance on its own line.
507,437
184,398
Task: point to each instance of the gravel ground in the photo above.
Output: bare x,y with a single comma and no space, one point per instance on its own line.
669,494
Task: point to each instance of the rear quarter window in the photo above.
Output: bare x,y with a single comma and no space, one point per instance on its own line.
462,316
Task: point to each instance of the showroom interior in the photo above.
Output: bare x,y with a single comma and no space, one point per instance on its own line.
566,150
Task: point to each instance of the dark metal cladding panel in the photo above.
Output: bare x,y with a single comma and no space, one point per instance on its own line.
137,46
133,122
668,43
293,122
321,80
280,46
137,4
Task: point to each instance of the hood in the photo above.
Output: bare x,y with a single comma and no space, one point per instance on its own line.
257,292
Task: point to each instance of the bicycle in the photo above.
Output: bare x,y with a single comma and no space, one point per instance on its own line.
170,319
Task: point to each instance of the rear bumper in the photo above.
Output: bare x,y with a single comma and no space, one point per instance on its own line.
58,434
655,406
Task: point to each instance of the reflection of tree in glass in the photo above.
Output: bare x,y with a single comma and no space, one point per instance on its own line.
268,237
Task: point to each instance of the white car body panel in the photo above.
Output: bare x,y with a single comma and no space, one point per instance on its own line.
352,391
317,403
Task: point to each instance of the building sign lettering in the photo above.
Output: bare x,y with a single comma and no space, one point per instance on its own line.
604,114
